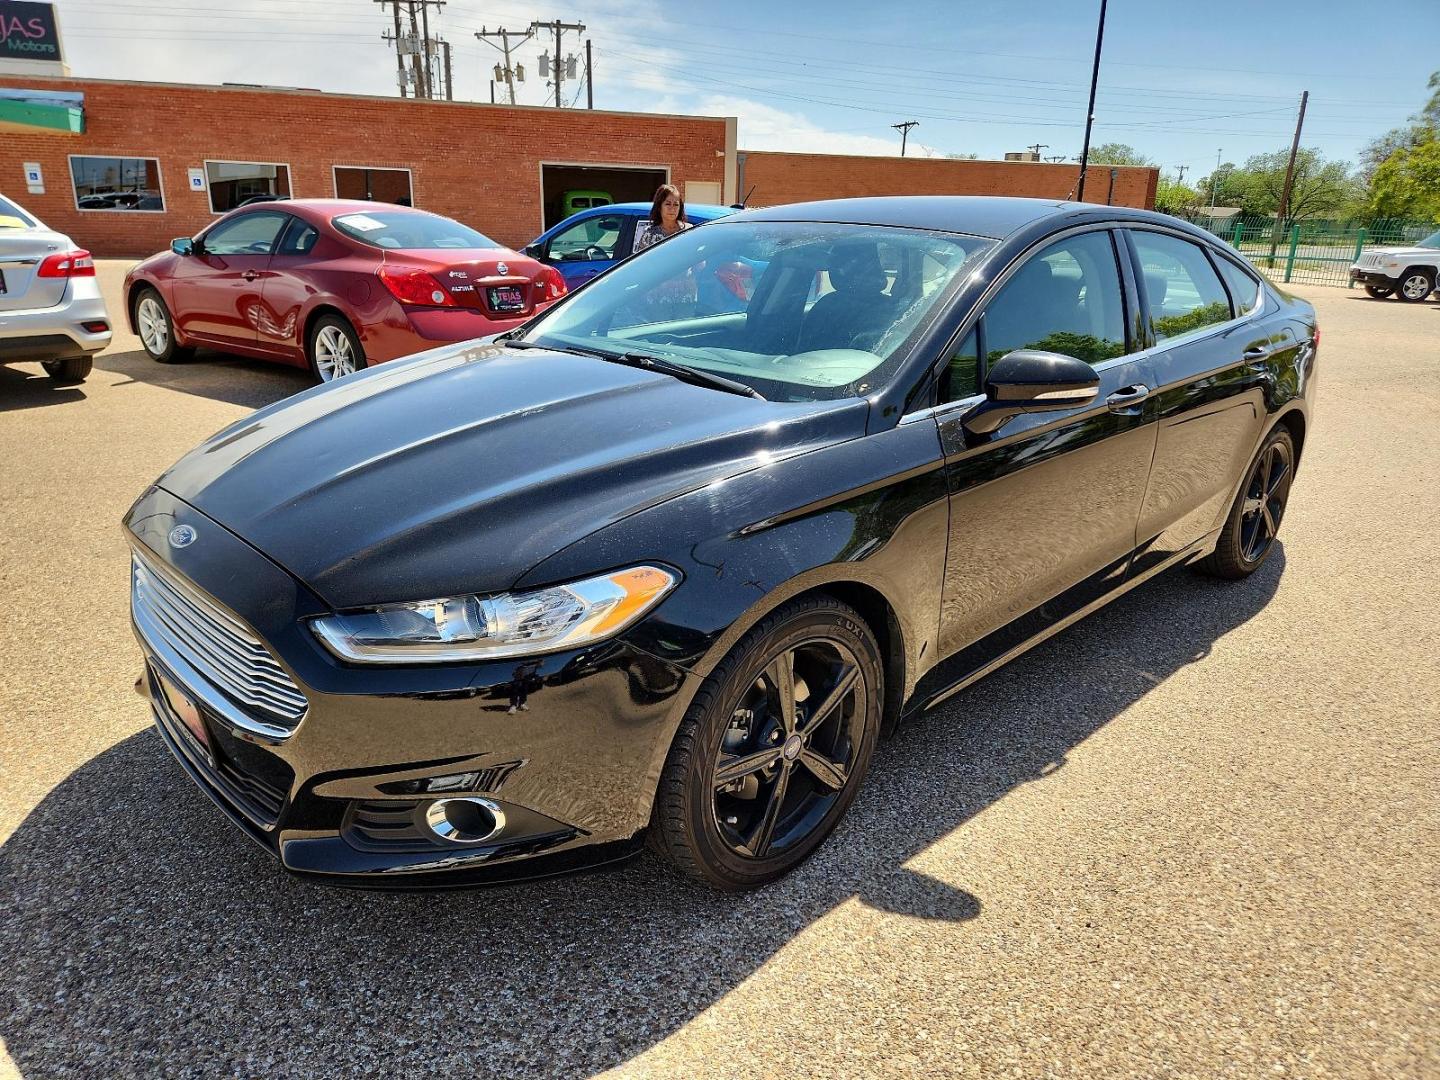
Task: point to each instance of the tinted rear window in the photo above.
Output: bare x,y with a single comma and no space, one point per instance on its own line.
410,231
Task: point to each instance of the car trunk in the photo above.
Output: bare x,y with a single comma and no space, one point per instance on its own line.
21,253
502,285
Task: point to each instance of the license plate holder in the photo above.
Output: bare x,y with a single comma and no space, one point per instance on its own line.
184,708
506,298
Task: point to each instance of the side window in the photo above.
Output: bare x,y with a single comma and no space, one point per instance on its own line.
1182,289
1244,289
248,234
589,240
961,377
298,239
1066,299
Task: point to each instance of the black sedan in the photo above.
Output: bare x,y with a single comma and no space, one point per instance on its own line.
647,569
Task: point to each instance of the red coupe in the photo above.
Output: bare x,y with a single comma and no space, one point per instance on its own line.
332,284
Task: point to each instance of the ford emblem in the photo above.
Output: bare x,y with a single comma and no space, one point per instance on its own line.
501,268
182,536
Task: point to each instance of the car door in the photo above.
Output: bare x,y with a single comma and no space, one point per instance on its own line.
1208,360
589,246
1043,511
286,288
216,291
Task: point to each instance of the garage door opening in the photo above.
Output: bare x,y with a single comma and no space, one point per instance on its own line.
565,189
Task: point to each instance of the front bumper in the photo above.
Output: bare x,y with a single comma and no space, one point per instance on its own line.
1370,275
569,745
56,333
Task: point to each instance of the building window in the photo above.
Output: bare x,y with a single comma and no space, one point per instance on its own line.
376,185
232,183
117,183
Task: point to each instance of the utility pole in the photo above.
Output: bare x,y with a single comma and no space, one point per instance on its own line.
1090,112
399,55
559,28
904,128
449,74
589,77
509,72
1035,149
1181,170
1215,180
1284,207
1056,159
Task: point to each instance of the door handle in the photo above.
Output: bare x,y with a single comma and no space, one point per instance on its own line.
1258,352
250,275
1127,397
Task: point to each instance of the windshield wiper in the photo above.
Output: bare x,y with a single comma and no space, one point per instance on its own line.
646,362
694,376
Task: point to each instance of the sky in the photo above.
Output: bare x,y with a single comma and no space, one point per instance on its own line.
1179,81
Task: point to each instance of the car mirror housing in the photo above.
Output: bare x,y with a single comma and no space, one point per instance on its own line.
532,250
182,245
1031,380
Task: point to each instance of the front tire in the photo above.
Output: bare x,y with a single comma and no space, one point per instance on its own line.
68,372
773,749
156,328
1248,536
333,349
1380,292
1415,286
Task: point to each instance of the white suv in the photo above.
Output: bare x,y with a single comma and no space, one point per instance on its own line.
1409,273
51,310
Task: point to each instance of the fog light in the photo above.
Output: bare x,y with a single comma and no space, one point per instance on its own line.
464,821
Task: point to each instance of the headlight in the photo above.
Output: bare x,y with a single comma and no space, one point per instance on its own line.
512,624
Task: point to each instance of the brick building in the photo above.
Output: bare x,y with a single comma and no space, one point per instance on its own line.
126,166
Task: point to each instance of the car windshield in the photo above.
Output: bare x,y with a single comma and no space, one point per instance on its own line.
800,311
409,231
1431,241
12,217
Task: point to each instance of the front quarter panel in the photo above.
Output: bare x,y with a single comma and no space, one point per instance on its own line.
872,511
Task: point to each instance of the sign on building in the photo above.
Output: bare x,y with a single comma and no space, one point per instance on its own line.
29,34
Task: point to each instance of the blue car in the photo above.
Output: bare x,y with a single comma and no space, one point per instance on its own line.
594,240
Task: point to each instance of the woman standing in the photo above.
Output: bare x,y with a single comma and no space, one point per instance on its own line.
667,217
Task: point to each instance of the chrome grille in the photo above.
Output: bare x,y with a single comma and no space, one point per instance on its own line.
215,643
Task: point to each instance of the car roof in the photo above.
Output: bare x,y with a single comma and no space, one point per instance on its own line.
644,208
978,215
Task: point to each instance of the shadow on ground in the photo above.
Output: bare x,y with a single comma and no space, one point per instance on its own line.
143,934
219,376
30,388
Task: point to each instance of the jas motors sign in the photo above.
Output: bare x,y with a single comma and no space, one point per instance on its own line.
27,31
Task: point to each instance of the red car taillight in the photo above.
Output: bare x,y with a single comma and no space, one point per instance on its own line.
67,264
551,284
411,285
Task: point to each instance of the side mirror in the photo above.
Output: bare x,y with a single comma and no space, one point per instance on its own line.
1030,380
182,245
532,251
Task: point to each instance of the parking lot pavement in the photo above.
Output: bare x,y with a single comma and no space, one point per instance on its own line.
1196,835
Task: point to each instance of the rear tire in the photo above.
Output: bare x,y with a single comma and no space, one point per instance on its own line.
333,349
68,372
1248,536
791,781
1380,292
1415,286
156,327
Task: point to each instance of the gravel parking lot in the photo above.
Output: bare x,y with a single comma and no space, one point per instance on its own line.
1194,836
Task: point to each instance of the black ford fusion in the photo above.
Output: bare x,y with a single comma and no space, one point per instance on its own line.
667,561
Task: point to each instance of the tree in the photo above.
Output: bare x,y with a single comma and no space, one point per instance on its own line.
1116,153
1407,183
1321,187
963,157
1173,197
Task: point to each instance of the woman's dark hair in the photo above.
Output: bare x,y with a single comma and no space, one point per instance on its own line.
663,192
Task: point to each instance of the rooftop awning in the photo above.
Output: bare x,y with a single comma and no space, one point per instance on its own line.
42,110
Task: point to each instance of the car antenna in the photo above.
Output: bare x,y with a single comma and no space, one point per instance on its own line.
741,204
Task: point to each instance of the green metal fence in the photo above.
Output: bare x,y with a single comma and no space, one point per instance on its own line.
1313,252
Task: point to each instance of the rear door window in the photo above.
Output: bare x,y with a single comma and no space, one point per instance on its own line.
1182,290
1244,289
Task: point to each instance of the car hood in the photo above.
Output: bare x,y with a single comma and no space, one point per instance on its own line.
456,470
1405,252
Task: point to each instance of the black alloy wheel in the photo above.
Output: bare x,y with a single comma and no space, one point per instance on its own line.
1380,292
1249,533
771,753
